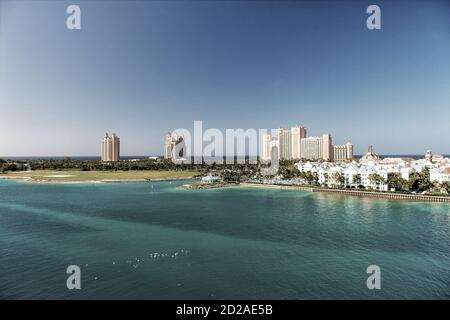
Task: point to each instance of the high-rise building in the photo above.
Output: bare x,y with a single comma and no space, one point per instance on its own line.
317,148
111,148
312,148
172,140
267,140
327,154
293,143
343,152
298,133
284,143
270,147
349,150
274,150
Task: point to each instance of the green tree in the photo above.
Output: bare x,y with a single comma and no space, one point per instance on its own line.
395,181
446,186
326,177
340,179
315,178
420,181
309,177
357,180
376,179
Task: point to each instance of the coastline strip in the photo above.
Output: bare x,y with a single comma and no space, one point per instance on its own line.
356,193
31,180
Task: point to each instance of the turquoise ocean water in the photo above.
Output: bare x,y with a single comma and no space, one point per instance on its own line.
159,241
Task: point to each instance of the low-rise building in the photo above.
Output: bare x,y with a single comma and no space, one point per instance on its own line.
372,172
210,179
440,175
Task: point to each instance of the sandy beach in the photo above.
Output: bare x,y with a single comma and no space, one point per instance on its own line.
74,176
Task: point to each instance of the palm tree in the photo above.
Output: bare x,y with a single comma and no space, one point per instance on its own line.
376,179
420,181
395,181
326,176
357,180
340,179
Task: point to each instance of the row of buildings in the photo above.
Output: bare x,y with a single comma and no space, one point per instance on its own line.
110,147
372,172
294,143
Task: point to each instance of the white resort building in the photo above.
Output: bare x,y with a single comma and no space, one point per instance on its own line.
211,179
372,172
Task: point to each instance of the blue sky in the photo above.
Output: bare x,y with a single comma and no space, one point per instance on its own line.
142,68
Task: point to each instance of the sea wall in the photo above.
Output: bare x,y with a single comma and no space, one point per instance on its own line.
276,186
356,193
386,195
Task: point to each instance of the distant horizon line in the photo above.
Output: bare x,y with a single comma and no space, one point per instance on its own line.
162,156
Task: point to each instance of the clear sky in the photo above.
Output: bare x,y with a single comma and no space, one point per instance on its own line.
143,68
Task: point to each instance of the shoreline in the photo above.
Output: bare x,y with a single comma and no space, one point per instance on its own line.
275,186
355,193
345,192
208,186
102,181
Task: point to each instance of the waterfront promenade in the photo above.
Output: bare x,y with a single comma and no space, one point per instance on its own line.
356,193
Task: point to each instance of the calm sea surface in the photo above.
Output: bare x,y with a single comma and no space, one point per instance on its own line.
216,244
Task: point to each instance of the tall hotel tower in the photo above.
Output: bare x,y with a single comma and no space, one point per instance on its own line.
111,148
317,148
298,133
266,146
171,142
269,147
343,152
327,144
287,142
284,144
